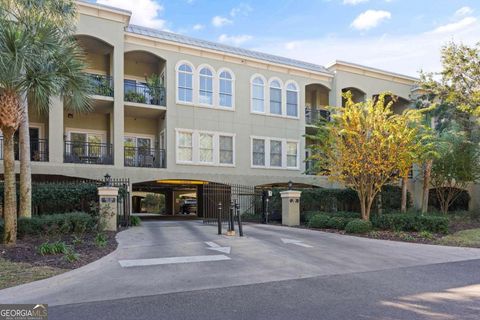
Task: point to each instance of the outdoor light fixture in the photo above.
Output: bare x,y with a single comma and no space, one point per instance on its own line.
290,185
108,180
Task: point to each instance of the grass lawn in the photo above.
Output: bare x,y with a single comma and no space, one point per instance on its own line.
464,238
16,273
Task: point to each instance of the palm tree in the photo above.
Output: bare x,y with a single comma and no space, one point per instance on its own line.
38,60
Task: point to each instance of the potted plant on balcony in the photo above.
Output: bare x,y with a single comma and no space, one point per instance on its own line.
133,96
155,88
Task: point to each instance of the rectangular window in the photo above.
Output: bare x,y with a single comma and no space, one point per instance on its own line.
226,150
258,99
206,90
185,147
292,151
185,87
275,101
206,148
292,103
226,93
258,150
275,153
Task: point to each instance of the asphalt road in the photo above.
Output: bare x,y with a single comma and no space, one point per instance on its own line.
184,270
439,291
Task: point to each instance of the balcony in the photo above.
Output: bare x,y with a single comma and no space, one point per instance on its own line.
310,167
142,93
88,153
38,150
101,85
143,157
313,115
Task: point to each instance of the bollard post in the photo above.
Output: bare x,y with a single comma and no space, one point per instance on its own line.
266,213
239,219
231,227
219,219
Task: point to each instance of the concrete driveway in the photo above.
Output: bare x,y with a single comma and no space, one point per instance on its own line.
163,257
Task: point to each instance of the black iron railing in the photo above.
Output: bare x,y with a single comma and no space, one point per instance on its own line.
88,152
314,115
102,85
144,157
38,150
141,93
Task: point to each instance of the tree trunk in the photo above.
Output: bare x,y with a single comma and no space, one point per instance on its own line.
10,194
426,185
403,208
25,168
363,207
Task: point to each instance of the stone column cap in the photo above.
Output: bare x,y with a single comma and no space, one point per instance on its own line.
108,191
290,194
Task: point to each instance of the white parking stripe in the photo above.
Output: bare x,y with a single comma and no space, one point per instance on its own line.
171,260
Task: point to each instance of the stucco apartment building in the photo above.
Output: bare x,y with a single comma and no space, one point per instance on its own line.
215,113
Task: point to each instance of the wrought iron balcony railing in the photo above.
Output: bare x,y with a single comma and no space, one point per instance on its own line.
38,150
102,85
88,152
141,93
313,115
144,157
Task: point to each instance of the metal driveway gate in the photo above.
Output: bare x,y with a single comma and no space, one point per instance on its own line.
212,194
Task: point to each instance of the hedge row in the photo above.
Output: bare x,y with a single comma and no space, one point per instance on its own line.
49,198
410,222
73,222
346,222
332,200
395,221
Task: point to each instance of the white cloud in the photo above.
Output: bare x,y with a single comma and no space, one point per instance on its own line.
405,54
455,26
144,12
234,40
242,9
463,11
353,2
370,19
198,26
219,21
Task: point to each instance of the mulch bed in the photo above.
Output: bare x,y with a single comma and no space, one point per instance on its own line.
26,250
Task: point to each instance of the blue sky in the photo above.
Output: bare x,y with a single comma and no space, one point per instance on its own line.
398,35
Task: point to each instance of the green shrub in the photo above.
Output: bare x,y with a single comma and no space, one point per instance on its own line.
101,240
319,221
411,222
135,221
77,222
338,223
71,256
358,226
426,235
346,214
58,247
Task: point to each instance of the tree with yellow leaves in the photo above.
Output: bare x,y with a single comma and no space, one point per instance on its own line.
366,146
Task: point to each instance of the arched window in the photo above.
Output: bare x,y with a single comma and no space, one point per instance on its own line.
185,83
258,95
206,86
275,97
292,100
225,89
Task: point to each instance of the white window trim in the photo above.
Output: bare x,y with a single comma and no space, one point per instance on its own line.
177,78
282,94
265,83
267,153
298,99
196,148
177,150
232,108
214,86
